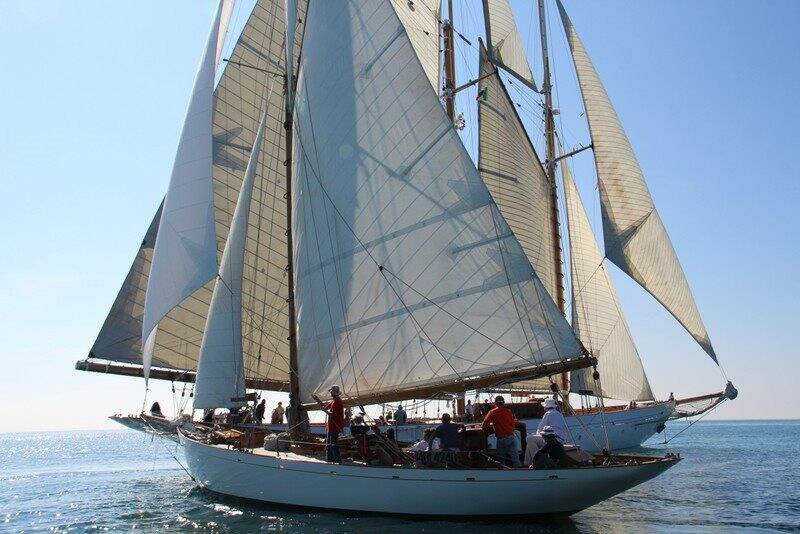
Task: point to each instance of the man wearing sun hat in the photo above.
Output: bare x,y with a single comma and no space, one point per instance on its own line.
555,420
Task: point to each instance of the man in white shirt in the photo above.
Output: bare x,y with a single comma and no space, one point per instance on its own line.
554,419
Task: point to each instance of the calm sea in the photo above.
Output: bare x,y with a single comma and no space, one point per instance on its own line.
736,475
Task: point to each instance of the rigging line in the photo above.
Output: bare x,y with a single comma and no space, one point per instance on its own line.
691,423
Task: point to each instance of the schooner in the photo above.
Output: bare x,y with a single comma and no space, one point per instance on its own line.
325,225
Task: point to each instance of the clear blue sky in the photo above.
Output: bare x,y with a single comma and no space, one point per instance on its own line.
92,104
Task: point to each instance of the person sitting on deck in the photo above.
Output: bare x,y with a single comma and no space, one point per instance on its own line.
551,454
333,425
400,416
447,433
428,443
155,410
555,419
258,414
277,414
502,421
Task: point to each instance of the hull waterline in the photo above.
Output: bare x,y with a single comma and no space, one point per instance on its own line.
290,479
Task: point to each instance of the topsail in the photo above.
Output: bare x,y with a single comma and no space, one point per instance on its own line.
635,237
409,279
504,42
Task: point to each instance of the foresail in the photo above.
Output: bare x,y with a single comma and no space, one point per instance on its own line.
505,45
185,254
635,237
511,170
408,276
220,369
421,21
597,316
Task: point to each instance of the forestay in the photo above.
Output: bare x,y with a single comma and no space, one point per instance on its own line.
220,369
237,106
185,254
635,237
597,316
408,275
505,45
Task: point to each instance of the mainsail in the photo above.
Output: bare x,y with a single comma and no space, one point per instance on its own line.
635,237
596,312
257,56
220,369
505,45
185,254
409,279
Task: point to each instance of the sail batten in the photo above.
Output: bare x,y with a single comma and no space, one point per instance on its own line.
505,48
376,160
634,234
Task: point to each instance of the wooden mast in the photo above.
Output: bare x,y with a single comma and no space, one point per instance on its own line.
449,63
550,169
297,416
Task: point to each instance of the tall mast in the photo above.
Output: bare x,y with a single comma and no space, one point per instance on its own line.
297,416
449,63
550,170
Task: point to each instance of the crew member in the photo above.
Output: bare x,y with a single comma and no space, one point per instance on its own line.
555,419
277,414
400,416
447,433
333,425
502,421
258,413
155,410
469,409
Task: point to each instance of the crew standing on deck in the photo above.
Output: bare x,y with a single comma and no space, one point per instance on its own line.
333,425
554,419
502,421
258,413
400,416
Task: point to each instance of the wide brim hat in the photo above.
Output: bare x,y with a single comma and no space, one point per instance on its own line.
550,403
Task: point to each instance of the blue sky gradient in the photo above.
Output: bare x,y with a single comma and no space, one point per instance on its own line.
93,100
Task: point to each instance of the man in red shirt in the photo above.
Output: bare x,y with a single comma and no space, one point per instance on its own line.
502,421
333,425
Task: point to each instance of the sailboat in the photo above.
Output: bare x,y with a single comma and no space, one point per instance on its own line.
208,298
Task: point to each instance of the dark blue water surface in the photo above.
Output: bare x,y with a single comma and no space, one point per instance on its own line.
736,475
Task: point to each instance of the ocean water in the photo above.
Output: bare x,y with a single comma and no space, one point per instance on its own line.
735,476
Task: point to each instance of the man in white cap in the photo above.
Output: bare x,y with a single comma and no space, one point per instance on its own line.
333,425
554,419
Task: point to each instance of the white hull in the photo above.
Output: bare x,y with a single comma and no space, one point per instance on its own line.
289,479
626,429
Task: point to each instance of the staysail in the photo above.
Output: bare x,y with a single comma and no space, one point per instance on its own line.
220,369
597,316
505,45
259,51
409,279
185,254
421,21
511,170
635,237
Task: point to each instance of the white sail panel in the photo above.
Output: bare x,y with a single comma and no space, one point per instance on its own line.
421,21
407,273
226,11
220,369
511,170
505,45
597,316
185,254
635,237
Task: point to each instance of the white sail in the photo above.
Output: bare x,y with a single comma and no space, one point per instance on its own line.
226,11
220,369
185,254
597,316
505,45
421,21
408,275
635,237
511,170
